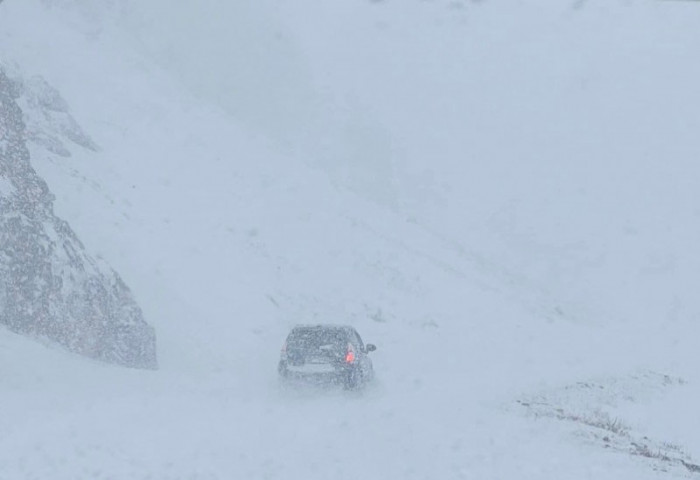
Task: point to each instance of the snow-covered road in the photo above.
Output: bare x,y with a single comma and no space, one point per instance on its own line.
65,418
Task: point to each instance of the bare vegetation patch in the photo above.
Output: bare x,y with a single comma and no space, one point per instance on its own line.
584,404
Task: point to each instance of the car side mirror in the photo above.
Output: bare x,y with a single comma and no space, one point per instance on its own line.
370,348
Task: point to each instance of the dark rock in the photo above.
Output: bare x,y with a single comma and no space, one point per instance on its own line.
49,286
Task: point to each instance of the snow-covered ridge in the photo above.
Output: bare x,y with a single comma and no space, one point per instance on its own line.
48,118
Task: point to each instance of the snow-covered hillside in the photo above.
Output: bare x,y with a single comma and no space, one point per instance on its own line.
500,196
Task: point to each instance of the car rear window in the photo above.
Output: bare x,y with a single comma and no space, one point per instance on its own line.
314,339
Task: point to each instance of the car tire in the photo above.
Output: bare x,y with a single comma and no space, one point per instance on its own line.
351,380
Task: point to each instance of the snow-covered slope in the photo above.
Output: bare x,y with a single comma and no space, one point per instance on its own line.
499,196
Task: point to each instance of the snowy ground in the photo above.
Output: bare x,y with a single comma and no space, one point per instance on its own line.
468,184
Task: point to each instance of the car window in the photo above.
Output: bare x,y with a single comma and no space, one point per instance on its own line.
316,339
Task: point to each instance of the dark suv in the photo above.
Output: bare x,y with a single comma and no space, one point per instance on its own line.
326,354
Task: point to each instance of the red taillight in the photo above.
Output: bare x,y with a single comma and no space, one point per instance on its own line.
350,356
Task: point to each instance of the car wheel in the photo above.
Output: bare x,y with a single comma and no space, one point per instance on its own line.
351,380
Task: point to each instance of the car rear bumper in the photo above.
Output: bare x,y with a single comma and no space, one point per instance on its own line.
315,375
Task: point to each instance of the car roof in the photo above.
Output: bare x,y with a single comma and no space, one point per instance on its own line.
345,330
320,326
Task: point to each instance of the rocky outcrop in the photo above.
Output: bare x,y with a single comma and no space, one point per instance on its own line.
48,121
49,286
